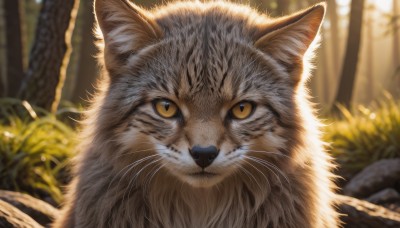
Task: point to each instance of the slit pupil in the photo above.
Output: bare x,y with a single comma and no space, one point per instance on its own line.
241,107
166,106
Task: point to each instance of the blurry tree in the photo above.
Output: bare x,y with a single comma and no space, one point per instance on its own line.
14,49
333,18
299,5
3,81
87,71
347,78
50,54
32,9
2,86
73,65
369,35
396,33
283,7
396,44
148,3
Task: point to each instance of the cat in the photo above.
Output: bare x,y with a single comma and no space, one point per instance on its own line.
202,119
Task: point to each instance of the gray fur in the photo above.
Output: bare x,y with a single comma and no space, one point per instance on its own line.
205,57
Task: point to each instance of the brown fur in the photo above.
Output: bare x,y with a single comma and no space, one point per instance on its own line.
205,57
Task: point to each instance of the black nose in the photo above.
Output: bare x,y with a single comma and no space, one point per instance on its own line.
204,156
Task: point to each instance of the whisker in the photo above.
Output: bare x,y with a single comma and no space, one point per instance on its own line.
266,166
136,163
137,174
253,175
273,166
255,180
269,164
151,177
128,167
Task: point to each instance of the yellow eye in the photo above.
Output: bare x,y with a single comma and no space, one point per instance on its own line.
165,108
242,110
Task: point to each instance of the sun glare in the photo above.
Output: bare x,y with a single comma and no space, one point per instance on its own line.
382,5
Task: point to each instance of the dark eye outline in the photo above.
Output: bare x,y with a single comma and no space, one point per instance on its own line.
154,104
253,108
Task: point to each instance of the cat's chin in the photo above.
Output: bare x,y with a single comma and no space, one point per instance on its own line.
198,178
201,179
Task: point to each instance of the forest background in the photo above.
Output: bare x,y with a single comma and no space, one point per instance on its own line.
48,72
357,68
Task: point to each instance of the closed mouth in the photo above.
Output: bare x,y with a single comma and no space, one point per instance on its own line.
202,174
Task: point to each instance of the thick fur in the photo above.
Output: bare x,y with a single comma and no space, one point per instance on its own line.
133,170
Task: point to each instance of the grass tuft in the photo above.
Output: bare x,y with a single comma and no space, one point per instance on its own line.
364,136
35,148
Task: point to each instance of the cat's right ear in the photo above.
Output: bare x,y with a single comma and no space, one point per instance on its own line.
126,28
287,39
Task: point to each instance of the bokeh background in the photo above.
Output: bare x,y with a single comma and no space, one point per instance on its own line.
48,72
358,59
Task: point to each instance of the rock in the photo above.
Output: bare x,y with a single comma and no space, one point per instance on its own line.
384,196
362,214
40,211
397,186
380,175
11,217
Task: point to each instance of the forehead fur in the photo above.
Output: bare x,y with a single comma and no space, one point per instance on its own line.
204,54
227,19
206,48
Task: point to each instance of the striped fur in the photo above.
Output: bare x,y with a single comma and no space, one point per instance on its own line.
133,170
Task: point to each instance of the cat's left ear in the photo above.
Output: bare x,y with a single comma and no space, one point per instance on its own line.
287,39
125,26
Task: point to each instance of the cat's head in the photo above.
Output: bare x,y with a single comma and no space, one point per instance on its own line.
204,90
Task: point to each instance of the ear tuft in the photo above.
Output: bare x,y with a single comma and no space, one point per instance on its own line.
126,28
287,38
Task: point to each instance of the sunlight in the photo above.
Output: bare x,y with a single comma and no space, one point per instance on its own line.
343,7
382,5
343,2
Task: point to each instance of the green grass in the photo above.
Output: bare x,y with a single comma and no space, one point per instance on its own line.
365,135
35,148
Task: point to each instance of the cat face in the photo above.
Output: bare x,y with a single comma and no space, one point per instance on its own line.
195,104
205,89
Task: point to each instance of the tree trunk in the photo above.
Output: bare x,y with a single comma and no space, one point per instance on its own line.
50,54
348,75
87,68
14,50
299,5
283,7
396,44
396,33
2,83
370,57
332,11
3,68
